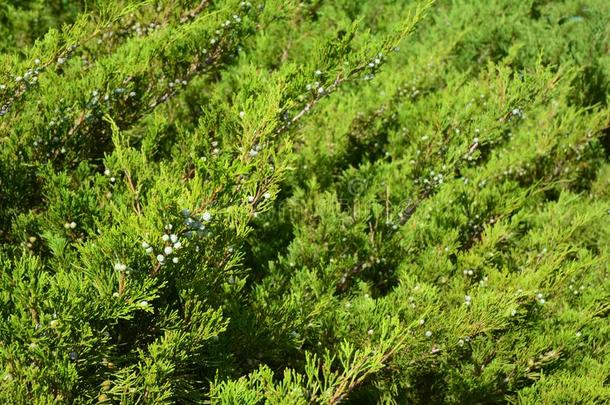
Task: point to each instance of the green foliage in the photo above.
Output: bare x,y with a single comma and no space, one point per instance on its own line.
304,202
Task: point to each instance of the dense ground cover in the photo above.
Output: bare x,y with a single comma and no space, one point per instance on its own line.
311,201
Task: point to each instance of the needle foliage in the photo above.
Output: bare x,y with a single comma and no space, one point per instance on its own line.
304,201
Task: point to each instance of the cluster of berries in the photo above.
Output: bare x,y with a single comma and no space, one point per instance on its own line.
171,245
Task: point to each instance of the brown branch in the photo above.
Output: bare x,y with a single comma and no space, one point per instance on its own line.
34,315
344,389
197,10
121,282
312,103
132,187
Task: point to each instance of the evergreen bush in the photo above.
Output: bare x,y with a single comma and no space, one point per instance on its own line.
313,201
